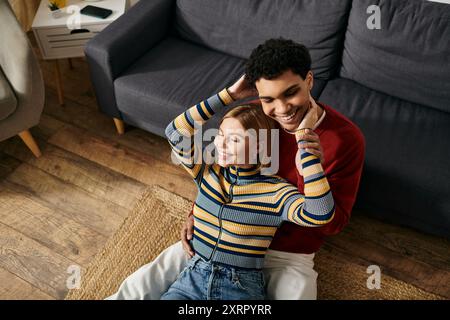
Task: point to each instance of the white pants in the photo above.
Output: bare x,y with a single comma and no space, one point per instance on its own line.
289,276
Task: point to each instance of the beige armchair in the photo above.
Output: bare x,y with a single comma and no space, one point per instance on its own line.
22,92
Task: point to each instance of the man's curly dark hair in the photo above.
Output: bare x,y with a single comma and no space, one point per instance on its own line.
275,56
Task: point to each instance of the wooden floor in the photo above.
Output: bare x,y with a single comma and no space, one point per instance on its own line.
59,210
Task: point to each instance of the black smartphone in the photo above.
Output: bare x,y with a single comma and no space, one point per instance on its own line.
97,12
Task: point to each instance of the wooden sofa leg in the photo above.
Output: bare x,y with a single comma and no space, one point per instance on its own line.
28,139
120,126
59,86
70,64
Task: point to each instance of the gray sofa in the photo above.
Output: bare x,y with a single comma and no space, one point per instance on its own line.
21,85
394,83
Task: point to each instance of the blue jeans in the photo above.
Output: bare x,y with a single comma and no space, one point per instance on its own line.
202,280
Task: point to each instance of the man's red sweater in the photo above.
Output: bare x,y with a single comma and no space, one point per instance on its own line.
343,147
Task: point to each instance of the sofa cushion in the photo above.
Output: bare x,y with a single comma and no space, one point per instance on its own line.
236,27
170,78
406,176
8,101
409,57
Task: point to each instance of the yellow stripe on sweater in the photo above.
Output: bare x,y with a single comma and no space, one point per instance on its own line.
312,169
205,215
196,115
308,219
240,249
317,188
211,180
248,242
233,227
262,187
243,229
308,158
255,187
182,124
256,207
205,238
318,221
206,228
293,208
210,193
205,110
230,238
225,97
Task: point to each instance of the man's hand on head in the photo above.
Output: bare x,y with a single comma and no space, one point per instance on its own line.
241,89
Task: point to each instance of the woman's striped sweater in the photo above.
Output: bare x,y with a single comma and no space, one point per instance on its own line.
237,210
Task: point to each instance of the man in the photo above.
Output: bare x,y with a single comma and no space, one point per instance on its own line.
279,72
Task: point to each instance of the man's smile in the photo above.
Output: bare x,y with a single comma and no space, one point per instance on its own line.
291,118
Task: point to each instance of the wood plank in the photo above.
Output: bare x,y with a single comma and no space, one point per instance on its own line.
404,241
99,214
76,82
364,251
85,174
93,121
7,164
399,267
336,270
15,288
47,226
33,262
127,161
47,127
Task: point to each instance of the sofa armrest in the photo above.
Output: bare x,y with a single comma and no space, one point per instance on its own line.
123,42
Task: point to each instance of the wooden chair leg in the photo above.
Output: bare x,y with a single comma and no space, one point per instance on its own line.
28,139
70,63
59,86
120,126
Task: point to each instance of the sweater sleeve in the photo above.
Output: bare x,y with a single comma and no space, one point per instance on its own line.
180,132
316,207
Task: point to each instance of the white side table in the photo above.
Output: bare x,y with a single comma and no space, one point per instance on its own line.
66,36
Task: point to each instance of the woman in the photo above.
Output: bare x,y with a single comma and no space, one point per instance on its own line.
238,209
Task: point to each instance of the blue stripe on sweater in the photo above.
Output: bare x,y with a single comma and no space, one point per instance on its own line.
201,112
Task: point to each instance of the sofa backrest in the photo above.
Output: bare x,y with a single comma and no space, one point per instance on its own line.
409,57
236,27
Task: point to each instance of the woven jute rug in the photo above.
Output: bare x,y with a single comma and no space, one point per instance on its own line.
154,224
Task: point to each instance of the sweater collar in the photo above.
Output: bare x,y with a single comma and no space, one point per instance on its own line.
238,174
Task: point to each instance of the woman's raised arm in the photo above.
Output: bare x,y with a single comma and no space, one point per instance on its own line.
317,206
180,132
